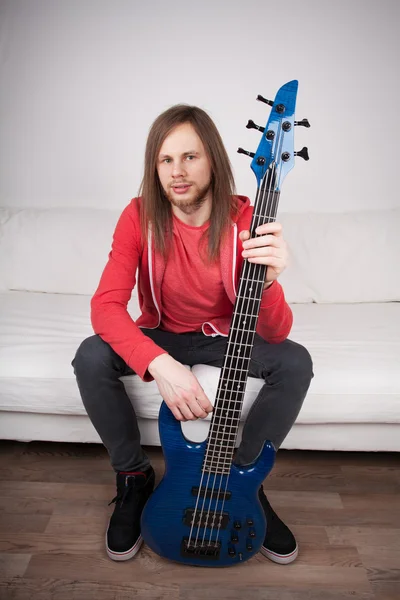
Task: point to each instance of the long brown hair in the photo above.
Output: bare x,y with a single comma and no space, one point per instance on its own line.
156,208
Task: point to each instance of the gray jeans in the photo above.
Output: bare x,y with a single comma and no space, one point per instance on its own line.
286,369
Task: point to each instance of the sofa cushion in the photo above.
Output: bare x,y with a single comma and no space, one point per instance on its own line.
355,350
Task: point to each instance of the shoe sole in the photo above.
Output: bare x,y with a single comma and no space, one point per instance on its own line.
119,556
280,559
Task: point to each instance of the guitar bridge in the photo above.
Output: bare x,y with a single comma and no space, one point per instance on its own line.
201,549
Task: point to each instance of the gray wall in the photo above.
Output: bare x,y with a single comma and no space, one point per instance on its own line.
82,80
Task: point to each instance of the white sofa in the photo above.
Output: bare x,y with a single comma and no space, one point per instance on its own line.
343,284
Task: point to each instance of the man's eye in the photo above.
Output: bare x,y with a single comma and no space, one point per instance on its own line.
167,160
190,156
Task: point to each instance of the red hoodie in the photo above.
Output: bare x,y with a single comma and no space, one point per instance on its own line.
109,315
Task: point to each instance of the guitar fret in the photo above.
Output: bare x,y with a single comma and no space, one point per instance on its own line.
222,464
254,280
216,456
255,215
216,471
234,379
233,429
247,314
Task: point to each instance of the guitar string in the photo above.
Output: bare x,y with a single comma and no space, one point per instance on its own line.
264,214
253,267
249,266
230,401
268,214
222,426
206,458
232,419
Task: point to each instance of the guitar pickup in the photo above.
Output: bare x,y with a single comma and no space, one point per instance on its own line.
206,518
205,492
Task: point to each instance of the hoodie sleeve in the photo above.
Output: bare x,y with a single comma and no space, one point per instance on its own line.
109,315
276,318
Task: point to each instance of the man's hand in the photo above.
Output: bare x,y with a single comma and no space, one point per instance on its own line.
268,249
179,388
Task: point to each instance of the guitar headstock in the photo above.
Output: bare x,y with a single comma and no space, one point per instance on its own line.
275,152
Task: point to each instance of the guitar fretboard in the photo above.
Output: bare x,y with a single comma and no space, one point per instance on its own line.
232,383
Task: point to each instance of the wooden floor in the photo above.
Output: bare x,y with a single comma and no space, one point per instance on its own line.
344,509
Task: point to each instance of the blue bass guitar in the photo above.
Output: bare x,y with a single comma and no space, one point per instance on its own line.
206,511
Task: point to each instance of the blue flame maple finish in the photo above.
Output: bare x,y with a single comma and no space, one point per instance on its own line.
163,519
206,510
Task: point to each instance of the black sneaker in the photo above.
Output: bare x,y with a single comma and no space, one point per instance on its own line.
279,545
123,538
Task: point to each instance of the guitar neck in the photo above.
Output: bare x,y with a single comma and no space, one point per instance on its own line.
232,383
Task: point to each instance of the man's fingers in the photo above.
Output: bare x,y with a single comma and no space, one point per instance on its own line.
177,413
204,402
186,412
197,409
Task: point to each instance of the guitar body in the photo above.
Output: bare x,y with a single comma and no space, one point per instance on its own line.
167,516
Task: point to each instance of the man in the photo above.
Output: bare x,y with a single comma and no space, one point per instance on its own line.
187,234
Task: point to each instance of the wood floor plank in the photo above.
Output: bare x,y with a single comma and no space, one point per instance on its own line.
267,592
257,570
85,508
379,557
311,500
327,555
364,536
48,543
56,471
311,534
31,523
387,590
373,501
384,575
333,458
71,589
331,517
13,565
30,506
50,490
371,479
60,525
307,479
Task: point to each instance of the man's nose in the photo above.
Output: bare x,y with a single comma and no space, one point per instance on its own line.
178,169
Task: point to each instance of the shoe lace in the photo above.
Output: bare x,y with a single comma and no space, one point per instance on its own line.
123,495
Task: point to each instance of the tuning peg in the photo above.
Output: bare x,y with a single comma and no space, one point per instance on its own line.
241,151
261,99
303,123
252,125
303,153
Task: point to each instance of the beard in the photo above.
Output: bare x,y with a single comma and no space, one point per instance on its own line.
190,205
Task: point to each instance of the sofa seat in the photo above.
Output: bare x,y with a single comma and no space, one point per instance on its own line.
353,402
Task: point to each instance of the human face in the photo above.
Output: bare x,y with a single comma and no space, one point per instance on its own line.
185,172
